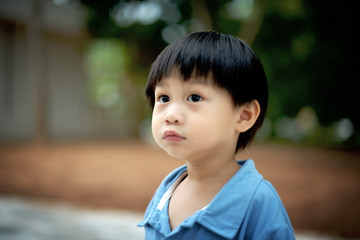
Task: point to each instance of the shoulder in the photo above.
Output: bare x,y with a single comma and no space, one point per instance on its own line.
262,191
267,215
266,194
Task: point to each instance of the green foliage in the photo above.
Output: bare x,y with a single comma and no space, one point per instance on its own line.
309,50
311,60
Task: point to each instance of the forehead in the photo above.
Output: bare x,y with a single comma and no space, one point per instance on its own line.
194,78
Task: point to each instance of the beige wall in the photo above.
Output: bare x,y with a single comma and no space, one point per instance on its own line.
67,112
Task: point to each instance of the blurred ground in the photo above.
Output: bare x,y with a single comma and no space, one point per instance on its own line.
319,187
22,219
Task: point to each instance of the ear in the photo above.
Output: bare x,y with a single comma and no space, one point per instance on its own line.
247,115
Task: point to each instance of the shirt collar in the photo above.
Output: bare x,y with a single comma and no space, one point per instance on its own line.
227,210
154,214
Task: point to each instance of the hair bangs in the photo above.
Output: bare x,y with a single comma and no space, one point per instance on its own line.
191,55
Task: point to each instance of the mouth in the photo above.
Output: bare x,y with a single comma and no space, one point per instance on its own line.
172,136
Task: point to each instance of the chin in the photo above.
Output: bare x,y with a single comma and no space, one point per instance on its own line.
174,154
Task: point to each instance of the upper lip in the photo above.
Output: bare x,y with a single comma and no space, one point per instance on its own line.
171,133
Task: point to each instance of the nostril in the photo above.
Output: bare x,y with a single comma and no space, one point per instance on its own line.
173,116
171,121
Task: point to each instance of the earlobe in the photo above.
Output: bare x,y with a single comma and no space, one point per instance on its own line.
247,116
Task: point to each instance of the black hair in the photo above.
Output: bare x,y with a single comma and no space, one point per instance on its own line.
231,63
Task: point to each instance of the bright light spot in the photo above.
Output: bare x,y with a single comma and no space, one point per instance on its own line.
343,129
265,130
67,3
299,127
148,13
240,9
107,95
124,14
128,13
306,119
105,64
172,32
288,128
60,2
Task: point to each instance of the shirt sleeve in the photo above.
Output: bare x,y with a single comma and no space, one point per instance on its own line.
267,218
284,232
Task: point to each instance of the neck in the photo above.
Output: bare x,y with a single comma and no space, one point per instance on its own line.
216,170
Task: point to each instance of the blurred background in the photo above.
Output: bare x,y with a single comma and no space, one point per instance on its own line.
74,123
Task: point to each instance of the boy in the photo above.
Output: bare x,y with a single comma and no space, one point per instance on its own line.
209,96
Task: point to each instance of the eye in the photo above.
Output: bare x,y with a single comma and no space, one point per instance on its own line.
164,99
194,98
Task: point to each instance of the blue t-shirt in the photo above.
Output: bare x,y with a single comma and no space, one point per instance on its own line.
247,207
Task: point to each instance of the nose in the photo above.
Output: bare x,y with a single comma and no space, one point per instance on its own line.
174,114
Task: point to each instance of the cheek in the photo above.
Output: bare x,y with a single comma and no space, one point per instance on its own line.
220,125
155,126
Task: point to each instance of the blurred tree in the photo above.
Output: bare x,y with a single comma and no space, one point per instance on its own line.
311,59
309,48
335,63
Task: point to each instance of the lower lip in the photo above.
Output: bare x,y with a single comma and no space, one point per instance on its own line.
173,138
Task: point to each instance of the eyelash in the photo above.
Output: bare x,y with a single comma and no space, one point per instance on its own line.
198,98
165,98
161,98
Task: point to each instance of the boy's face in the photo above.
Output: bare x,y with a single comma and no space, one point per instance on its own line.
193,119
